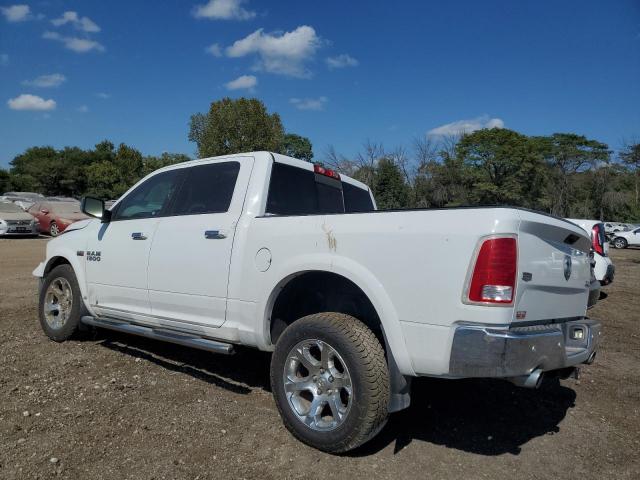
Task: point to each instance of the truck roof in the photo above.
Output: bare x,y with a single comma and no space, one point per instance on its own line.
265,155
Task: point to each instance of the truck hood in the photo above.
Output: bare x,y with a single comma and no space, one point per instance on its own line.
79,225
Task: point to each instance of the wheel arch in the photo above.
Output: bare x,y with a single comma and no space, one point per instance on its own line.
314,291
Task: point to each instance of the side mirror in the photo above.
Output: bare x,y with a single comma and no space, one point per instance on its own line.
45,211
94,207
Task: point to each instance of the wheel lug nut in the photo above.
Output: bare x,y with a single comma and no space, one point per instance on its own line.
331,378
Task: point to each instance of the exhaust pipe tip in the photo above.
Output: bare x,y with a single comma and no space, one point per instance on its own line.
533,380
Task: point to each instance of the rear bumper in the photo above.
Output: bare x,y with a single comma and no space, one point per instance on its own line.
483,351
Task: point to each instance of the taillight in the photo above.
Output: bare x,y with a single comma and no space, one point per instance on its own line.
326,172
596,239
494,274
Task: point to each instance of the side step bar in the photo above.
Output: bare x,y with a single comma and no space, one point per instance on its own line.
183,339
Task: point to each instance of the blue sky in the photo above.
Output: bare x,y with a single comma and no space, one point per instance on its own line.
338,72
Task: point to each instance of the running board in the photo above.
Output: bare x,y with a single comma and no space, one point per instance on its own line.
161,334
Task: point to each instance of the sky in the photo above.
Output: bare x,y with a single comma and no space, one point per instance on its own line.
73,73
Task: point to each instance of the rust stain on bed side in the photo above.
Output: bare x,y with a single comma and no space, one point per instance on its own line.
331,240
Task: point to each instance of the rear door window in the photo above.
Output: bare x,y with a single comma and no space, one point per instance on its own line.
356,199
207,189
297,191
294,191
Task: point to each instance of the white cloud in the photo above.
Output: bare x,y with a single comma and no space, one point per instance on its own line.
78,45
223,10
242,82
103,95
309,103
16,13
283,53
341,61
4,59
214,50
45,81
31,102
81,23
466,126
83,109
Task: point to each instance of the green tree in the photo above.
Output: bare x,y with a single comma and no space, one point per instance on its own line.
297,146
5,181
151,163
235,126
104,181
568,154
505,167
389,187
631,157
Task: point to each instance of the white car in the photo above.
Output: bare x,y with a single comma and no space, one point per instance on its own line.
604,269
267,251
15,221
626,239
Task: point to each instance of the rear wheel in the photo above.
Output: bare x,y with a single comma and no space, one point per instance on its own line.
330,381
54,230
60,305
620,242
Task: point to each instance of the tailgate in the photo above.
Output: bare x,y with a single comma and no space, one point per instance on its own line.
554,270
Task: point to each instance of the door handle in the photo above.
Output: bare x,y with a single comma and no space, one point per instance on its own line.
214,235
138,236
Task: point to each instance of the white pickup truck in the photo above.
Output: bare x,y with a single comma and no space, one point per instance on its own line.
263,250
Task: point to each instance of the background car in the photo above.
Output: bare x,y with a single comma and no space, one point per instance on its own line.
15,221
626,239
54,217
604,270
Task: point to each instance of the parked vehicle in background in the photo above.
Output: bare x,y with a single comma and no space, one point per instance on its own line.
15,221
55,217
61,199
611,227
626,239
35,197
23,202
267,251
604,270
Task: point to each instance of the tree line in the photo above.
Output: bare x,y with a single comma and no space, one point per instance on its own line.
565,174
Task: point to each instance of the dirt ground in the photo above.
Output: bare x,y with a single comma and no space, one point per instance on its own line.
116,407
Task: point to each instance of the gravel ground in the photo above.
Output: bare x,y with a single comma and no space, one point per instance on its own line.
116,407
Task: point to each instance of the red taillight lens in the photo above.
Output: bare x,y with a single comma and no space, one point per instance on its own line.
326,171
494,274
596,239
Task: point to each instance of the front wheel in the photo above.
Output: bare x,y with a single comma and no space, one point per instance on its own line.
54,230
620,242
330,381
60,306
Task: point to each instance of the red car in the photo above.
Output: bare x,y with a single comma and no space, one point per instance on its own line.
56,216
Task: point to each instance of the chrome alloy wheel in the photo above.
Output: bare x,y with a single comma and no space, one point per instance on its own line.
317,385
58,303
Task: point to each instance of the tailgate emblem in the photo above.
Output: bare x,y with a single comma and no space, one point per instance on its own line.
567,267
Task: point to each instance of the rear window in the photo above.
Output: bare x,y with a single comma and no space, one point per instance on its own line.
296,191
356,199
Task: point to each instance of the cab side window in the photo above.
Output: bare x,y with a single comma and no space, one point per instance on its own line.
207,189
151,198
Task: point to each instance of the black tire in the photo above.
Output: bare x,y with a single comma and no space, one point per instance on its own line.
53,229
72,322
620,242
364,359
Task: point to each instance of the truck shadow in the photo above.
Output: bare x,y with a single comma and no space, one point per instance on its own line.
486,417
240,373
482,416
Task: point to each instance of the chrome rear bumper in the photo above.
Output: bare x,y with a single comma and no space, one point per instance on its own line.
483,351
